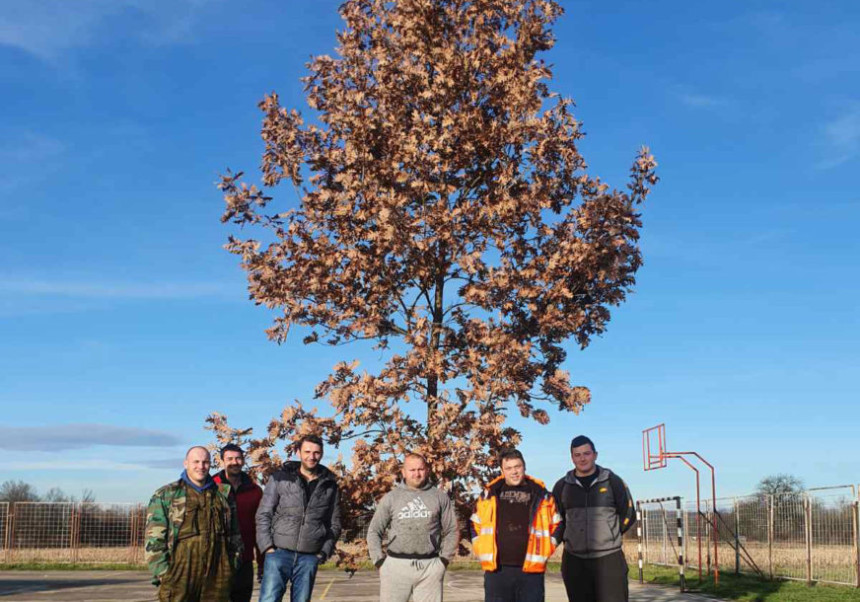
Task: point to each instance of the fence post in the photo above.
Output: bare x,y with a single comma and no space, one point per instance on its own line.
686,535
645,536
682,557
133,534
770,535
72,531
664,552
855,518
10,528
807,522
708,535
737,539
639,537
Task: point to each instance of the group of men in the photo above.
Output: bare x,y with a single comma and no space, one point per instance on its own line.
203,533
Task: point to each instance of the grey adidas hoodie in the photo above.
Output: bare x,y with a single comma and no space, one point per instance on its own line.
420,523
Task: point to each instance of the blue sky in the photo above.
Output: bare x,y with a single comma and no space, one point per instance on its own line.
123,323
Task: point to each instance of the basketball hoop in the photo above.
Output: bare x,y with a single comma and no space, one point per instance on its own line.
653,439
655,456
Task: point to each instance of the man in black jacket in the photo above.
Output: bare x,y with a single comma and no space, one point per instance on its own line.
596,510
298,524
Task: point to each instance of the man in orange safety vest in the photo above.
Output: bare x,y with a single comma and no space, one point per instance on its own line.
515,529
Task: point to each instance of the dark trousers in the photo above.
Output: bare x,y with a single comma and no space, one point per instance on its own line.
595,579
243,583
511,584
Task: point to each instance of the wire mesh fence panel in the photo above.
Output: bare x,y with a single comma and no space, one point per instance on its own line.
660,533
832,551
138,535
697,540
362,522
789,536
629,544
741,527
752,533
42,531
105,533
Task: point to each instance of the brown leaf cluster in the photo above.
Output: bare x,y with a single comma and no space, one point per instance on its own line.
445,214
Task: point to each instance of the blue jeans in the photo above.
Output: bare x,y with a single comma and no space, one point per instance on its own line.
282,567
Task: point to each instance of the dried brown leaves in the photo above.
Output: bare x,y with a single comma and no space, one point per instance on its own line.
445,205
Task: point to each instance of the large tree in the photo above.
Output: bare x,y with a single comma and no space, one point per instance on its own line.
780,485
445,214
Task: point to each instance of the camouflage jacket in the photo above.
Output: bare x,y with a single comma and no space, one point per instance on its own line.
164,517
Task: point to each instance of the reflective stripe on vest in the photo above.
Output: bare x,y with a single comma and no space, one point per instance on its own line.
540,545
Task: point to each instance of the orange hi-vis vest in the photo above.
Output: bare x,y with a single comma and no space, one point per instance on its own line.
541,543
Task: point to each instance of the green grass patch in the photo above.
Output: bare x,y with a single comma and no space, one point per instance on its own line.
746,588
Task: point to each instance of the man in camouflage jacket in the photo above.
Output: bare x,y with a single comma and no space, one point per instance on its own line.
193,544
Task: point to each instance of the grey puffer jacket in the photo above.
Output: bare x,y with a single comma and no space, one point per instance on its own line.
594,518
287,519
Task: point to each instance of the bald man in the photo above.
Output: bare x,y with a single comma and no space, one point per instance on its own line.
422,536
193,543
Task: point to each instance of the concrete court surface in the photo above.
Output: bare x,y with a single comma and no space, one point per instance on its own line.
331,586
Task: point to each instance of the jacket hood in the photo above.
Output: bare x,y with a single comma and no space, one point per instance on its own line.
405,487
207,484
291,469
602,475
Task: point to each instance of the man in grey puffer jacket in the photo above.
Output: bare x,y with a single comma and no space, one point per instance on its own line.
422,537
298,524
596,509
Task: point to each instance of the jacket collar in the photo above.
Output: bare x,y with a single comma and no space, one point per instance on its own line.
493,486
291,470
245,484
602,475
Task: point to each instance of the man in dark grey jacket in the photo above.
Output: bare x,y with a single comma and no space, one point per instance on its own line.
422,537
596,510
298,524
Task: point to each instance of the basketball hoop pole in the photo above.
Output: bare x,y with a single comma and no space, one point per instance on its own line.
656,461
715,535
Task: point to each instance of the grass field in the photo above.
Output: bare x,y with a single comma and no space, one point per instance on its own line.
830,563
749,589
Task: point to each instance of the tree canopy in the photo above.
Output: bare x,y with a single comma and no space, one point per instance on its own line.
780,485
445,214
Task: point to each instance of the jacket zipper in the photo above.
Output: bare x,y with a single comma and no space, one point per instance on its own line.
305,509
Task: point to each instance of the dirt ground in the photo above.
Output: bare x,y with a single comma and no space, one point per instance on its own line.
331,586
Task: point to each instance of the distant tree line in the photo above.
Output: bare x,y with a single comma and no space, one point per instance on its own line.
19,491
66,520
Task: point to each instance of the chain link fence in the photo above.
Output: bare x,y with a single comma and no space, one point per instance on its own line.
75,533
807,536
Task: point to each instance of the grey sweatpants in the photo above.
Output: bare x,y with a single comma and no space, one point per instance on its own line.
400,578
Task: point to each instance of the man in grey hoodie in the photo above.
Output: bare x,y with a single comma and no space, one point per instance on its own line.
422,537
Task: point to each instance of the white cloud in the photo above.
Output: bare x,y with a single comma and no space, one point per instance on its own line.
80,436
90,464
841,137
49,28
112,290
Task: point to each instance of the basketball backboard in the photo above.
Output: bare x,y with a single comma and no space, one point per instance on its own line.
654,447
